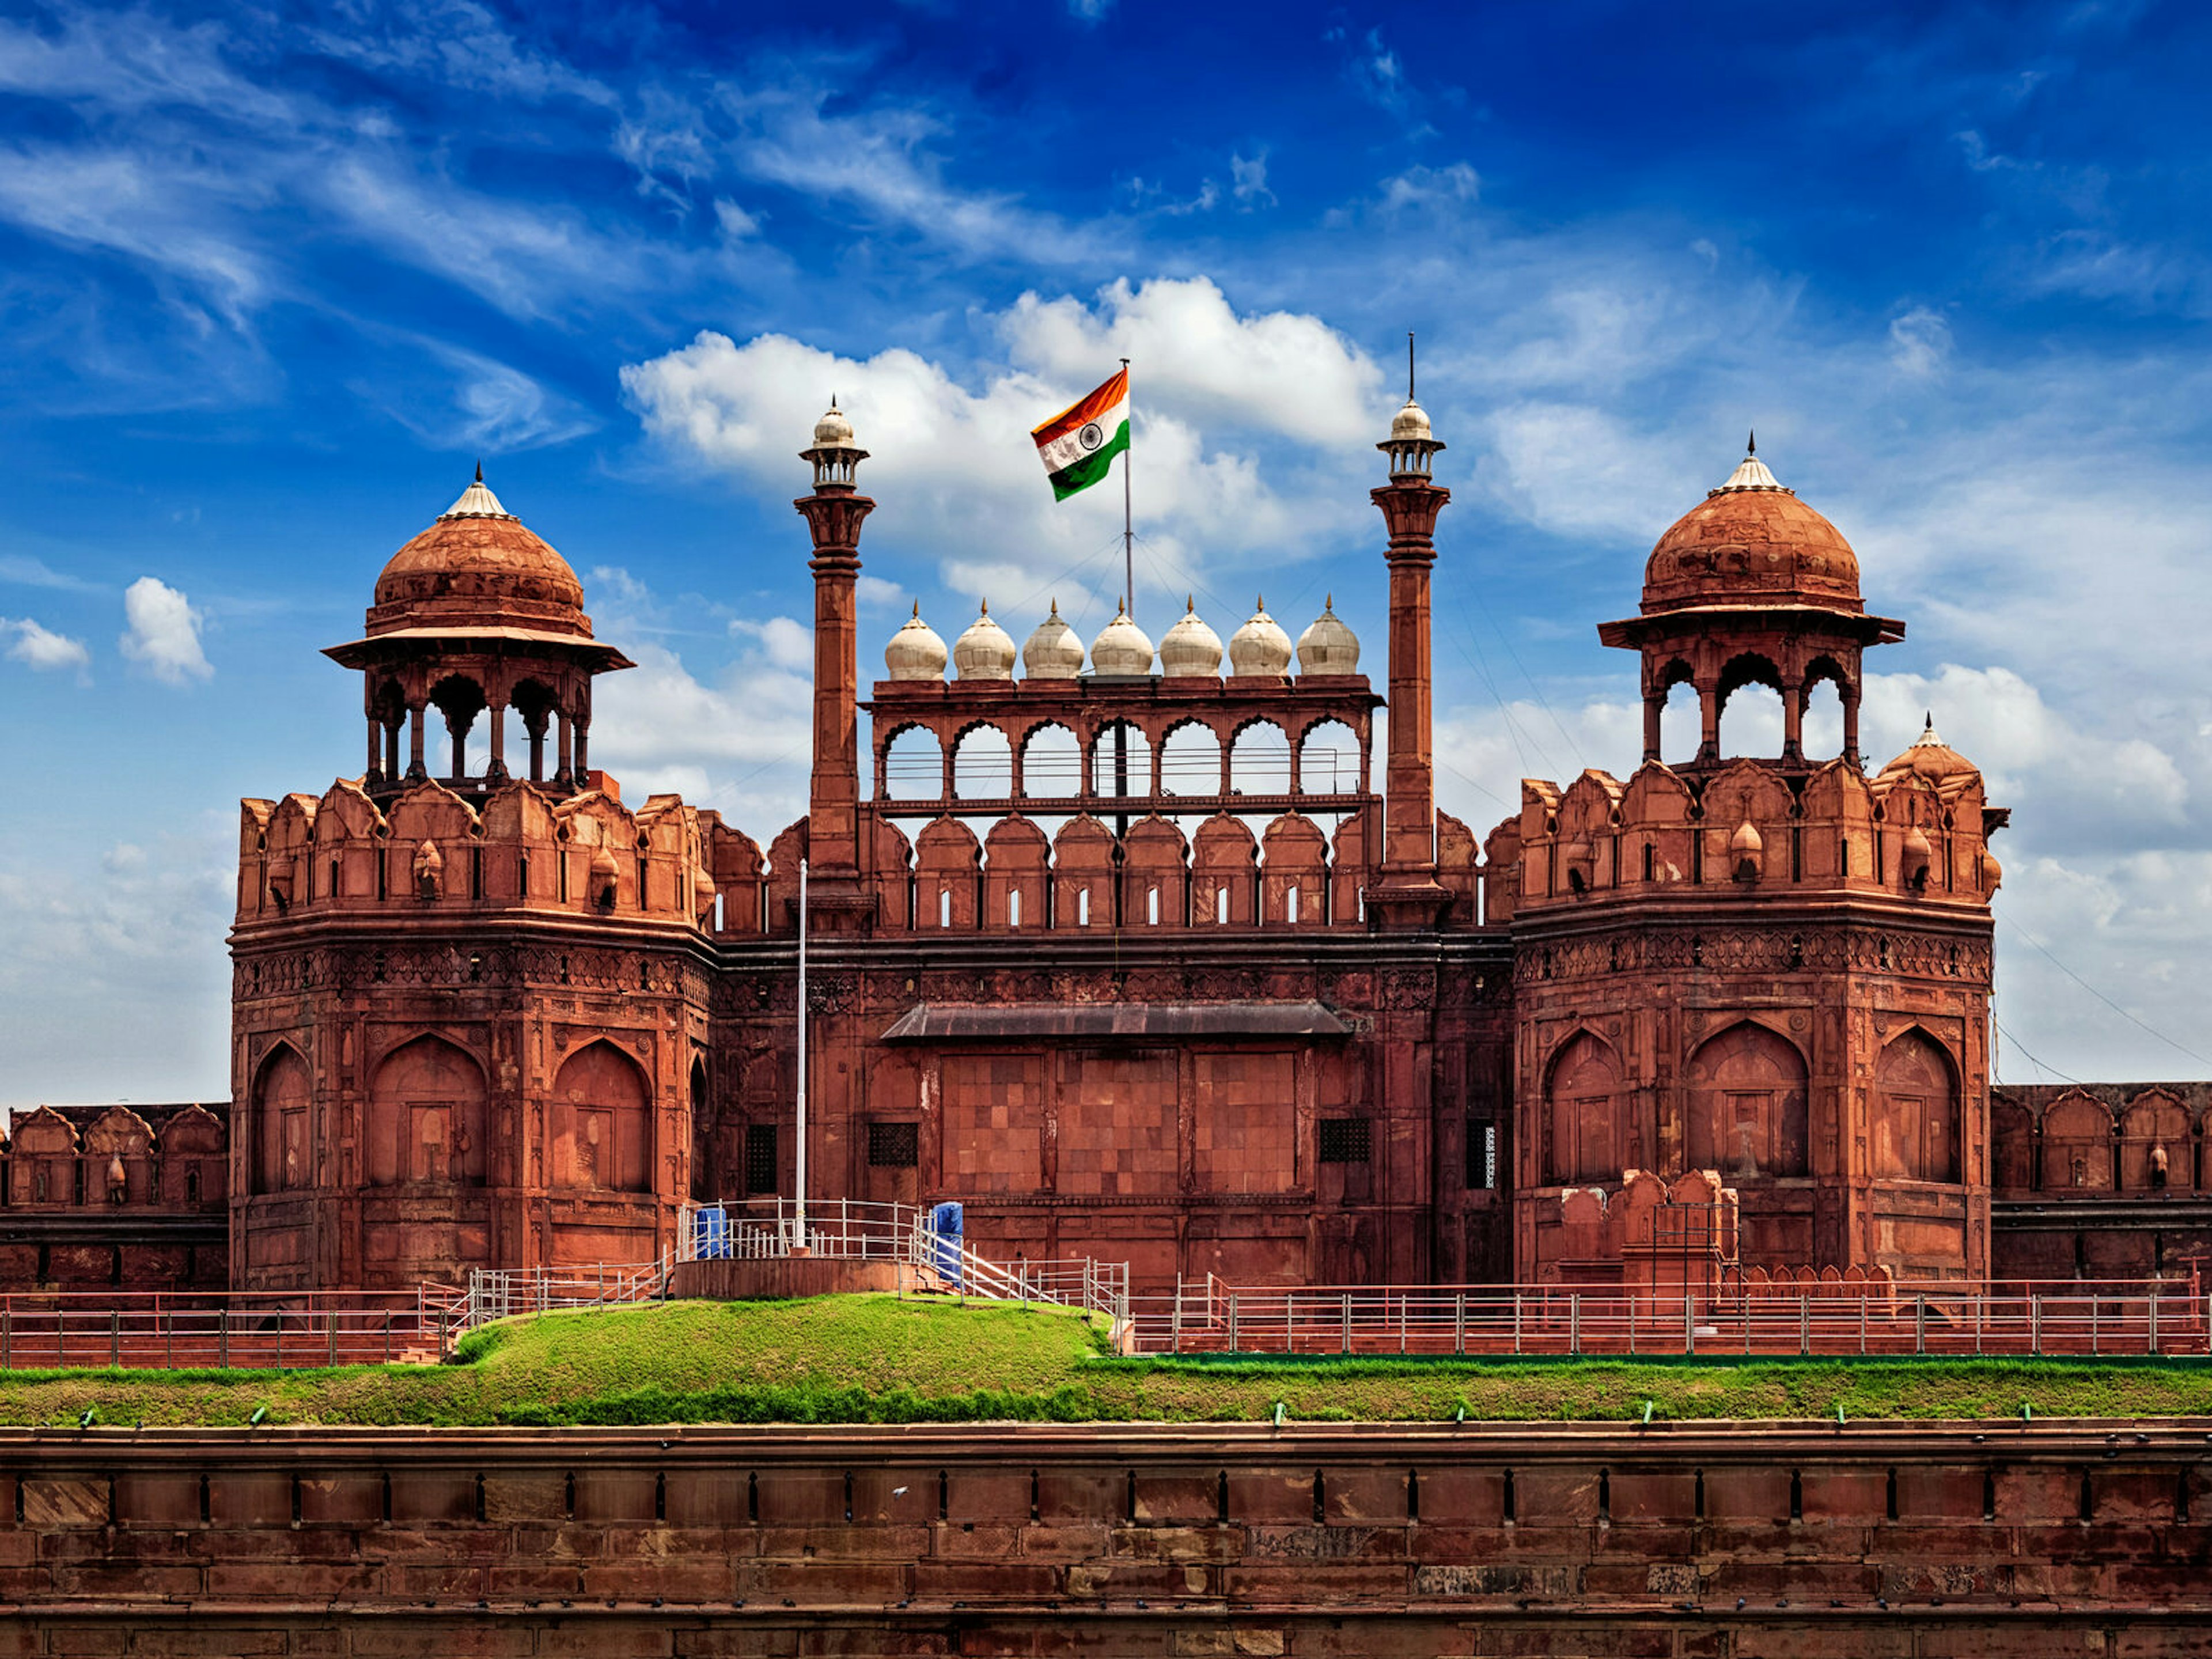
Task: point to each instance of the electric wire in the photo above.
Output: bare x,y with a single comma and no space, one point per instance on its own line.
2131,1019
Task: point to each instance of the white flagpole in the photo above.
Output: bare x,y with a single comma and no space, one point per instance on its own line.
799,1242
1128,534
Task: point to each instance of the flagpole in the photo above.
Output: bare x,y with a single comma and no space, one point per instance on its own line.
1128,535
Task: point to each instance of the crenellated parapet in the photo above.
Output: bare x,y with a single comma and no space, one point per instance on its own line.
430,852
1762,831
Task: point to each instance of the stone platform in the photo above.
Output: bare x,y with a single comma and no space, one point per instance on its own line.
786,1278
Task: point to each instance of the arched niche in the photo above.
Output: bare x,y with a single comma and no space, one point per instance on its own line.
1915,1131
702,1132
1584,1107
602,1123
283,1095
1747,1108
426,1117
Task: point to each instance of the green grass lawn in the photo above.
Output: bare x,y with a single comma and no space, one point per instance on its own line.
876,1359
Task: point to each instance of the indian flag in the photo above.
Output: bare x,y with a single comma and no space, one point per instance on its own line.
1078,444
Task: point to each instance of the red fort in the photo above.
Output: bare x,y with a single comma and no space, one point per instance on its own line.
1141,952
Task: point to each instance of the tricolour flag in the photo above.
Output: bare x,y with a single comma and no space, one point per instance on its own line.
1078,445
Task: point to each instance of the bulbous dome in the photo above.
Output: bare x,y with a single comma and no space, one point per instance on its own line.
1752,542
1410,424
1190,650
915,652
833,430
1122,648
1929,757
1260,648
985,652
1747,839
479,566
1327,647
1054,652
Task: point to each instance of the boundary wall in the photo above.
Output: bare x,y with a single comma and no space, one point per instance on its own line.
1725,1538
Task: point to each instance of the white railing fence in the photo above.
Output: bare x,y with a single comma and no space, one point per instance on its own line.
912,1234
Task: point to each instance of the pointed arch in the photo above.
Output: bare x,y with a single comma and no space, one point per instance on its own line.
427,1116
1584,1109
602,1121
1748,1105
1915,1111
283,1096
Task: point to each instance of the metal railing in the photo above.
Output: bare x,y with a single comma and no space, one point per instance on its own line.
220,1330
841,1229
2061,1318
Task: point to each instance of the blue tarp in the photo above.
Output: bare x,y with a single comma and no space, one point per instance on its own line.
710,1233
946,1227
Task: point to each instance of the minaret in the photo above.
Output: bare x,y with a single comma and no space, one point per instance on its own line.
1408,894
834,514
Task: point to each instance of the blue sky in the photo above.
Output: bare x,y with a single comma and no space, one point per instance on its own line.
272,279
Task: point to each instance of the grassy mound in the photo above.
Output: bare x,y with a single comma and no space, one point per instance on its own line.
879,1359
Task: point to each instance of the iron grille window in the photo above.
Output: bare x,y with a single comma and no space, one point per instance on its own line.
760,1158
1346,1141
894,1145
1481,1154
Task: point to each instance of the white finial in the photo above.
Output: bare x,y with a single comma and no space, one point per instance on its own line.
1928,740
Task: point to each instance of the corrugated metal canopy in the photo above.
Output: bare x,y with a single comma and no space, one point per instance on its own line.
955,1022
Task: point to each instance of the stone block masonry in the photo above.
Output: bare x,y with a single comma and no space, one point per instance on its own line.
1601,1540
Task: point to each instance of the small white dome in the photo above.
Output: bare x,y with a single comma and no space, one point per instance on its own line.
1121,648
1410,424
1328,647
1260,648
1190,650
985,652
1054,652
915,652
833,430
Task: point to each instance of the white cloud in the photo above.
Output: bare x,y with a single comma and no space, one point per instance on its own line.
164,636
1248,180
1089,11
879,594
953,459
1422,187
40,648
1192,350
737,224
473,403
1919,342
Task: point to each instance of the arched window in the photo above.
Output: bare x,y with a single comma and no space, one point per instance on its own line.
1052,764
1260,760
1585,1106
1747,1108
703,1134
983,765
1190,761
1328,759
1120,760
1915,1113
1750,721
426,1117
913,766
602,1128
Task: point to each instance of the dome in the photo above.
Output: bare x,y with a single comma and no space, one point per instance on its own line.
1190,650
1931,758
479,565
1260,648
1746,841
1054,652
1122,648
915,652
1410,424
985,652
1752,542
1328,647
833,430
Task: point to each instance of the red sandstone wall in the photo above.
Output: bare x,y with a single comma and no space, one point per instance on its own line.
1597,1540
